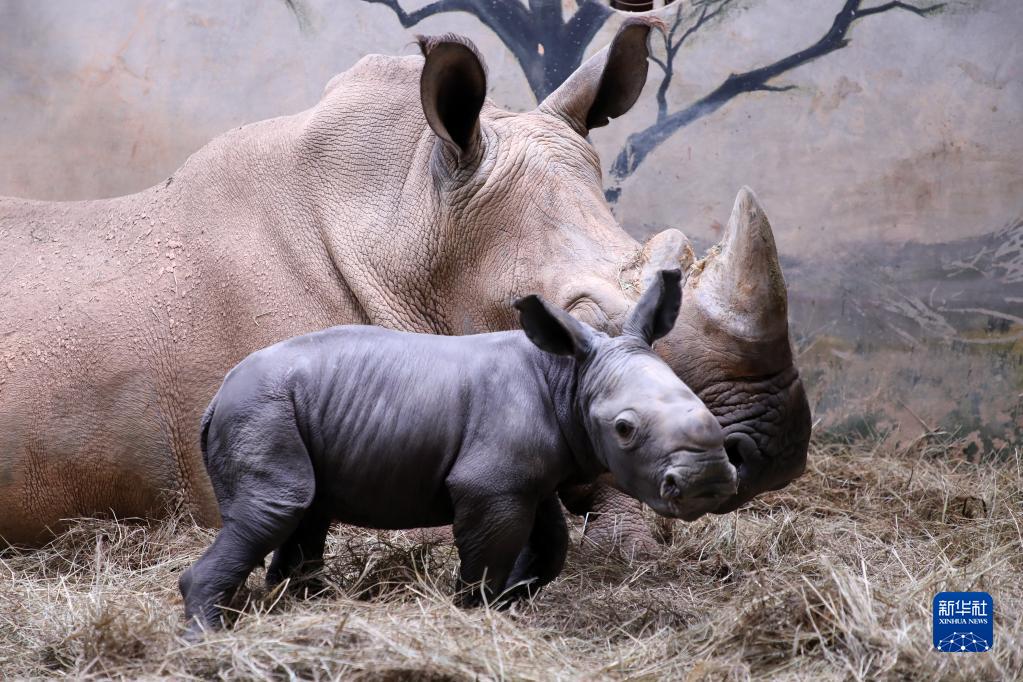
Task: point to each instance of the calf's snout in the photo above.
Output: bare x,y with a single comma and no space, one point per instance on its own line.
706,477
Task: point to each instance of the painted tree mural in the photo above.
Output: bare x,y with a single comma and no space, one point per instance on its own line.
550,44
688,19
547,45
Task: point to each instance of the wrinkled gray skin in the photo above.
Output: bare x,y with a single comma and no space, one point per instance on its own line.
731,346
402,199
395,430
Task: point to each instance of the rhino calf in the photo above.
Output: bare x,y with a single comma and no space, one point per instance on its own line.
386,429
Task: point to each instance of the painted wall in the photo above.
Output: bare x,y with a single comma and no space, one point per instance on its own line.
892,170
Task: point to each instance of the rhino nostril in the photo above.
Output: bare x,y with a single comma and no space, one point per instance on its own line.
671,486
742,452
734,458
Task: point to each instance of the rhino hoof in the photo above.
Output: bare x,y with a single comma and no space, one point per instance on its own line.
194,633
633,541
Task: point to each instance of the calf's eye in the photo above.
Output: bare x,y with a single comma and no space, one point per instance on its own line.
624,428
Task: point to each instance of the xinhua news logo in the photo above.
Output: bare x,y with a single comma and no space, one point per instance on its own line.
964,622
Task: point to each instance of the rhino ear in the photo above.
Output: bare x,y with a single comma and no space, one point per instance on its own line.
552,329
609,83
452,87
657,309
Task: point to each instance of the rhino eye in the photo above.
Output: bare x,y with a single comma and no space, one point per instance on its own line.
624,428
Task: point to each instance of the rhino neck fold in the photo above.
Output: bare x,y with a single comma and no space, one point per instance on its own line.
560,375
390,264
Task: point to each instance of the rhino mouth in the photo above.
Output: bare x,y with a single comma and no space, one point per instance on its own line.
688,491
756,473
690,509
733,504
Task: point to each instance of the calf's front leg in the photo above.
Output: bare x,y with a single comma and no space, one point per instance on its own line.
490,532
543,557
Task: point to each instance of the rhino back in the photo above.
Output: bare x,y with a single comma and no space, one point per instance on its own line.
385,416
118,316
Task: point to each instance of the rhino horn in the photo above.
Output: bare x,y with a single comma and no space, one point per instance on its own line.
739,285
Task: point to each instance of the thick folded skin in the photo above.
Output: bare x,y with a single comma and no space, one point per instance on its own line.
401,199
731,345
119,317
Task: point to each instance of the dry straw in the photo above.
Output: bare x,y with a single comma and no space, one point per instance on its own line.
831,578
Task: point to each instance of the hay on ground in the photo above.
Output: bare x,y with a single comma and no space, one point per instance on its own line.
831,578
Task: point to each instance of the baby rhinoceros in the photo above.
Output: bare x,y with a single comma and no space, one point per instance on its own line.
385,429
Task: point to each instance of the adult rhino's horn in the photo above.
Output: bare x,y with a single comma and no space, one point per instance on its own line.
739,284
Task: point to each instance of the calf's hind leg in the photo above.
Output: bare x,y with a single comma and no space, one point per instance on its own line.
301,555
266,487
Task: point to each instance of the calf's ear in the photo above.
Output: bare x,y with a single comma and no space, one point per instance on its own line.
453,86
552,329
657,309
609,83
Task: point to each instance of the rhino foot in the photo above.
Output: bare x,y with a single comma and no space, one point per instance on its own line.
194,633
614,522
625,534
438,535
305,587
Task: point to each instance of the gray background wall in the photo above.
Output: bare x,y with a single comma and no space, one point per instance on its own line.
892,172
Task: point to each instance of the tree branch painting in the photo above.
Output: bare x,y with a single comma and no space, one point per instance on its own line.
639,145
549,47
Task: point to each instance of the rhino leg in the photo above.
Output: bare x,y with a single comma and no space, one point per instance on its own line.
300,558
435,535
222,569
489,534
265,485
543,557
614,521
213,580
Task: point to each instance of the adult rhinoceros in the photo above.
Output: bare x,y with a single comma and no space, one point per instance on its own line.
404,199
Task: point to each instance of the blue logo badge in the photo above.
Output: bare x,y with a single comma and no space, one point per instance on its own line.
963,621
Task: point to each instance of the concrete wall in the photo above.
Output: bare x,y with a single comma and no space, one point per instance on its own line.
892,171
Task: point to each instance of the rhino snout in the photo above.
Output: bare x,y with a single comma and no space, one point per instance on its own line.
744,455
704,479
756,472
748,459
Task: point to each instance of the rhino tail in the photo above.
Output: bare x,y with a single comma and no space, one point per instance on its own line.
204,428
